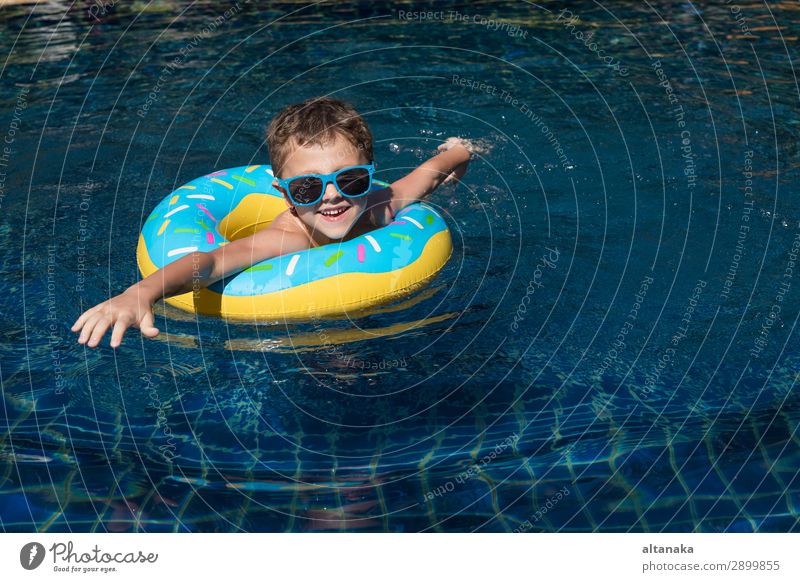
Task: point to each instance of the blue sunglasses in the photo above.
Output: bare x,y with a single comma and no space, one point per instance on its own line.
308,189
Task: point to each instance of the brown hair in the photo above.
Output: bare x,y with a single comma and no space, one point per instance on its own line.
315,121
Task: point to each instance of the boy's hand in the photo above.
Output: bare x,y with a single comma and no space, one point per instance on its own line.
123,311
449,165
451,142
460,170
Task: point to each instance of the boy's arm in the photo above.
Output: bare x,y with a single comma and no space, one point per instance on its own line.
201,269
446,166
133,307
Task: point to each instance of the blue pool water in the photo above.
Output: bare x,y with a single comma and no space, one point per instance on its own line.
612,346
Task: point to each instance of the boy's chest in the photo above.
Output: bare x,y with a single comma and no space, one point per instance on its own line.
364,224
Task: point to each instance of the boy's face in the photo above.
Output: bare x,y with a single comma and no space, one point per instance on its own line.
334,215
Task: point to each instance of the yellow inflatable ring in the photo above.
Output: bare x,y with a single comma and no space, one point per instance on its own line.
330,280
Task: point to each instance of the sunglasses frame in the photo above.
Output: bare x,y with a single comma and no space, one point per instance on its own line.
327,179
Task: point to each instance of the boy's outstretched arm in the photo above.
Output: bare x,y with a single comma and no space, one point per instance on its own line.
134,307
445,167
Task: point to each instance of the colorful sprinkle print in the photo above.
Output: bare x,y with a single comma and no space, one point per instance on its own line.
176,210
223,183
415,223
181,251
259,268
371,240
333,258
292,265
204,209
247,181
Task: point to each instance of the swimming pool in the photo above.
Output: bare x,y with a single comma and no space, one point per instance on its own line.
612,346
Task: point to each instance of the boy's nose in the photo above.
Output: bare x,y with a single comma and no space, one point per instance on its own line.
331,192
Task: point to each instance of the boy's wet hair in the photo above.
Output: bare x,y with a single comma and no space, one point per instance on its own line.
315,121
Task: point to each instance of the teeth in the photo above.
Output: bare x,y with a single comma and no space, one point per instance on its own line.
333,212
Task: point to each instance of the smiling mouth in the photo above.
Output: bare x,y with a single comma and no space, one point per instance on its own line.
334,214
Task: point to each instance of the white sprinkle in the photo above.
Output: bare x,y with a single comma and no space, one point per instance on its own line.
202,196
269,172
374,243
432,210
178,209
292,265
414,222
174,252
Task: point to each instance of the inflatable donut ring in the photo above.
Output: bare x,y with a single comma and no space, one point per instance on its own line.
334,279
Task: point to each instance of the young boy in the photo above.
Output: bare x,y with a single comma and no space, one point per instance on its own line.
318,136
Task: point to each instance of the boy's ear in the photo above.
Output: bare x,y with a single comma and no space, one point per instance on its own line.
288,202
280,189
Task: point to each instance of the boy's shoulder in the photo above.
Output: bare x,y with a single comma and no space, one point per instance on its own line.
287,224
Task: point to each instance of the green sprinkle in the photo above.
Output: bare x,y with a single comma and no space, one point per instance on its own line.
203,224
398,235
245,180
195,230
152,217
429,219
333,258
259,268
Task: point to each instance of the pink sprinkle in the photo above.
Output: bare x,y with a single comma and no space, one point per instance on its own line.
219,174
204,209
399,222
361,253
210,238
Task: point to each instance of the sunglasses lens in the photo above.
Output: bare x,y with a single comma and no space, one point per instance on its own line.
354,182
305,190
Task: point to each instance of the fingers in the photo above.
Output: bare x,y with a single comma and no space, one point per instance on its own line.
451,142
94,323
101,326
88,327
146,325
82,319
119,332
94,329
448,143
